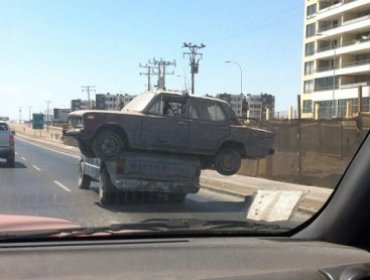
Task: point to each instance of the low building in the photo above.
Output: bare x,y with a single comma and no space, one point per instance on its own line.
78,104
236,101
61,115
112,102
259,104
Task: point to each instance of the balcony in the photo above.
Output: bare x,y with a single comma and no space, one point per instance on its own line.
350,25
349,47
339,93
344,6
358,67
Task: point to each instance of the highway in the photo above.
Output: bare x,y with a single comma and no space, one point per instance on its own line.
44,183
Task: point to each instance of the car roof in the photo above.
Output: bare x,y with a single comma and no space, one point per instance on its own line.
184,93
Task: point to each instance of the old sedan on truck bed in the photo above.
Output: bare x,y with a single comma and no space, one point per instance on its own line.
166,121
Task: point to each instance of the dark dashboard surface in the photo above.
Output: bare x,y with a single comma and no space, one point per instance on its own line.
194,258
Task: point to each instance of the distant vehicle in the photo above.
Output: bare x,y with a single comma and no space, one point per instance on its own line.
167,121
7,150
141,173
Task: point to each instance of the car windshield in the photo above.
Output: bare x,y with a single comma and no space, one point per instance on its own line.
250,111
139,103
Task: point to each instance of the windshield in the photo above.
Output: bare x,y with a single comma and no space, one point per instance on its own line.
139,103
250,112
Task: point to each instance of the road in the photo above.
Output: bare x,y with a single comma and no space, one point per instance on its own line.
44,183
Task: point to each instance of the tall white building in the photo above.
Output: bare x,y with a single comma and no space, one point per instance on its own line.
336,58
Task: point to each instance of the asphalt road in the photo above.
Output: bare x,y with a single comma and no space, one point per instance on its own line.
44,183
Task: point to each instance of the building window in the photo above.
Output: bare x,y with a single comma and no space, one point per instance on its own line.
307,106
310,30
310,48
308,68
308,86
311,10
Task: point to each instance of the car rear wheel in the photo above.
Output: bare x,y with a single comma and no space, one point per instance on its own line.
107,191
108,145
83,180
228,161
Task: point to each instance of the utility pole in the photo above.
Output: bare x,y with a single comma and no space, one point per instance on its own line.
88,89
149,69
160,66
29,116
20,114
194,58
47,115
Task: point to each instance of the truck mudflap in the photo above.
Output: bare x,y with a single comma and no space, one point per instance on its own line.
155,173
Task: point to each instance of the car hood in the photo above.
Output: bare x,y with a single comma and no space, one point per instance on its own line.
22,223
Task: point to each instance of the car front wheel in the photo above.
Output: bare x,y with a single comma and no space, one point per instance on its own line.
228,161
107,191
85,149
108,145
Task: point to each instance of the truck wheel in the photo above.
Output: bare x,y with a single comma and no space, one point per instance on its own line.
228,161
176,197
10,161
85,149
83,180
107,190
108,145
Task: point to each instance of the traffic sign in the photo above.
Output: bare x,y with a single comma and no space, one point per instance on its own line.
38,121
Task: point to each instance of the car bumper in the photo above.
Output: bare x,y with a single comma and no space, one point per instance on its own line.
156,186
79,133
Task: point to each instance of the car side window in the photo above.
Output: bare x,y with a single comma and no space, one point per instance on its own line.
169,106
3,127
216,113
206,111
157,107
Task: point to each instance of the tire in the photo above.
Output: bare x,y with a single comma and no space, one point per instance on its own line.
108,145
176,197
10,161
107,191
85,149
83,180
228,161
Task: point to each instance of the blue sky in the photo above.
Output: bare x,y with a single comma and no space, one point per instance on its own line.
49,49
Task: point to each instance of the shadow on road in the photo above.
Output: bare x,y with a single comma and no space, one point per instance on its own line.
138,203
3,165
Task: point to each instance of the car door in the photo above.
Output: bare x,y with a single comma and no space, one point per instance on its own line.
208,125
164,126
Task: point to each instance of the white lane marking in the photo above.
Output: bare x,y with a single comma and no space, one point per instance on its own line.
24,158
59,152
59,184
36,167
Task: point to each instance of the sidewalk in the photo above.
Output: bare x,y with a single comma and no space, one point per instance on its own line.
237,185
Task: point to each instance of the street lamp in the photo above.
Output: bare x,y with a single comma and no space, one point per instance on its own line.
241,74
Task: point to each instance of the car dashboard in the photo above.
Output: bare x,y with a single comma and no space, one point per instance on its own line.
183,258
